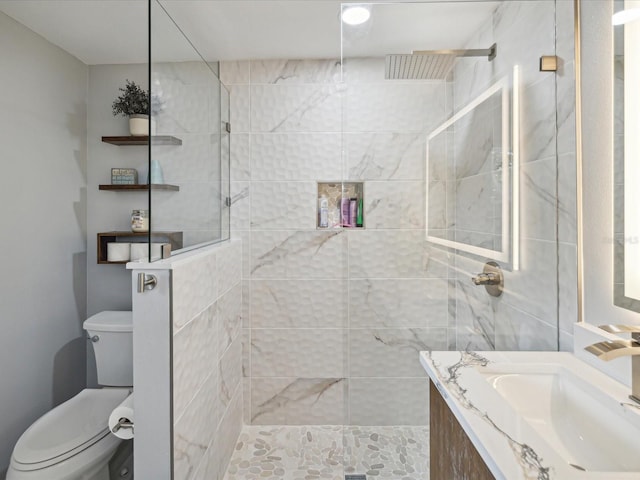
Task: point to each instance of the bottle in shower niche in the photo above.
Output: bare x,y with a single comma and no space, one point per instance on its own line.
323,212
345,209
353,209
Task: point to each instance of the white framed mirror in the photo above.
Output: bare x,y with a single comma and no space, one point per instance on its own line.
472,171
626,67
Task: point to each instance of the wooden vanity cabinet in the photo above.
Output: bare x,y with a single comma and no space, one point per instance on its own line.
452,456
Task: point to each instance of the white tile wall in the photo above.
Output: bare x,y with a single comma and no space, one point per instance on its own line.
385,156
388,401
195,429
195,287
283,205
394,254
295,71
527,314
398,204
333,320
298,254
391,352
197,344
298,401
296,156
299,303
229,312
240,96
207,359
240,156
394,108
397,303
301,352
539,123
296,108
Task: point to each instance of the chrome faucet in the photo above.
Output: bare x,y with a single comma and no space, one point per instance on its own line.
610,349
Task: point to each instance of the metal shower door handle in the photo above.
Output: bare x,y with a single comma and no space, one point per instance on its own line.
146,282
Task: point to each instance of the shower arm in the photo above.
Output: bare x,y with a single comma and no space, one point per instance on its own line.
490,52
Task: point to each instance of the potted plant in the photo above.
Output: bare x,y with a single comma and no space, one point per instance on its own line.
133,103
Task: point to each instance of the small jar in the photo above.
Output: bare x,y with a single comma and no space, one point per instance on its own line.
140,221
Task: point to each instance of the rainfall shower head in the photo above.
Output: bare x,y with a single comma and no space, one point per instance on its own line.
429,64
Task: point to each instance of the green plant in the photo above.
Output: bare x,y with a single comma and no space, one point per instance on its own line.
133,101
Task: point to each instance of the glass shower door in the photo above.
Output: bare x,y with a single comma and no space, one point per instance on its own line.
450,147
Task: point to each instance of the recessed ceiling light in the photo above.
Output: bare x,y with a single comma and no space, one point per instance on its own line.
355,15
626,16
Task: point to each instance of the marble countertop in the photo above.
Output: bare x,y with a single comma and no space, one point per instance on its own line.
511,448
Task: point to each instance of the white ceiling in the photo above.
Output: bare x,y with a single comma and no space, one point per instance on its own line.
115,31
94,31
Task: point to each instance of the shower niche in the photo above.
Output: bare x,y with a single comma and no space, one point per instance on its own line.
340,205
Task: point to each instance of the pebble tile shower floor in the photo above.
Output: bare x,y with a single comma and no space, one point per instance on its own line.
330,452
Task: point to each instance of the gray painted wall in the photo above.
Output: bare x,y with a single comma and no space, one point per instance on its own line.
597,151
43,205
109,286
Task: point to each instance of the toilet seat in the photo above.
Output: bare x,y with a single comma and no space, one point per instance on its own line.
68,429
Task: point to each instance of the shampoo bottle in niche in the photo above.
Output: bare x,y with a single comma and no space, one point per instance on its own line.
353,208
323,212
345,207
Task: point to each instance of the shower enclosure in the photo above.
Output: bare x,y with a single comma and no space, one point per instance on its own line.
458,159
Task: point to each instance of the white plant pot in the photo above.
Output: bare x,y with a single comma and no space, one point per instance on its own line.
139,125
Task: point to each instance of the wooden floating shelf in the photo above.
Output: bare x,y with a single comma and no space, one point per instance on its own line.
143,140
139,187
174,238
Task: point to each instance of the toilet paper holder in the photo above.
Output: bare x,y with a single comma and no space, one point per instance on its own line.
122,423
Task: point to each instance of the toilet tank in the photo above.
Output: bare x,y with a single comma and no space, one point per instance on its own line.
111,334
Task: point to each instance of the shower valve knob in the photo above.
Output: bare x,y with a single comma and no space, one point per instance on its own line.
486,279
492,279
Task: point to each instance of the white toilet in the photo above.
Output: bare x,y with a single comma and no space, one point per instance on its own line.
73,441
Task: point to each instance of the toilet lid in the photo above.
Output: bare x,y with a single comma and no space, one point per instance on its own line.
72,426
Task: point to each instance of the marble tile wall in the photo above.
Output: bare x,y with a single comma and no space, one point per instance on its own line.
207,361
191,104
334,319
541,295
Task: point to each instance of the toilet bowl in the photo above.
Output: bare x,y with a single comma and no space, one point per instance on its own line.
73,441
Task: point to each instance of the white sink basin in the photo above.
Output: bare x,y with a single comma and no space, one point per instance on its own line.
581,422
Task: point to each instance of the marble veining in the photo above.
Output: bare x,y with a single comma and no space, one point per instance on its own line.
300,125
414,341
385,156
630,405
295,71
299,390
297,243
530,462
186,455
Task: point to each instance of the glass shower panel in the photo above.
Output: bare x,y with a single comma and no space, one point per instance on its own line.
189,153
408,293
